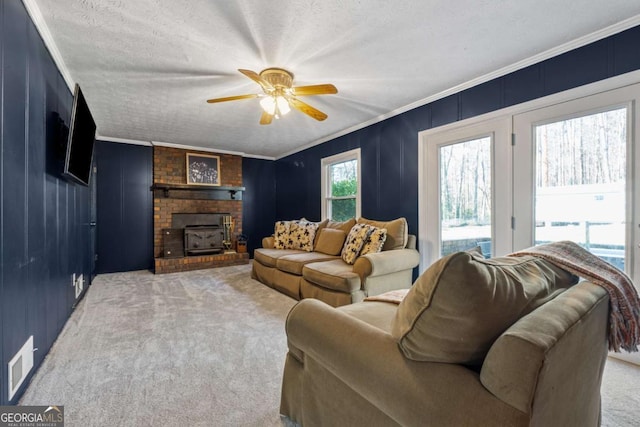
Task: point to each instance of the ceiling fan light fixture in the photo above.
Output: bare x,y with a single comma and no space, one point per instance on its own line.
268,104
275,105
280,96
283,105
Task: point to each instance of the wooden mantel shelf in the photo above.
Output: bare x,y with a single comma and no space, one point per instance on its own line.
203,192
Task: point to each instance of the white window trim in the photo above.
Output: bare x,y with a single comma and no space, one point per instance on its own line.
499,130
339,158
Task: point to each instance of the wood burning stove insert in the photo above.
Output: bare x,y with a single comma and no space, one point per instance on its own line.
203,239
200,234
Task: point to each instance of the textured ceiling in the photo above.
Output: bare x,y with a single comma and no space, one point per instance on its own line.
147,67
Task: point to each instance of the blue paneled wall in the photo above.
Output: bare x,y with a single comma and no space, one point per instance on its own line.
389,149
124,207
258,200
44,220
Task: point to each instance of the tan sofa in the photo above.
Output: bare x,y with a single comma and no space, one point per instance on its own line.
323,274
500,342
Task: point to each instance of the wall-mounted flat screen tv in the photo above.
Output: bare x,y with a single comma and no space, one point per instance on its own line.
82,134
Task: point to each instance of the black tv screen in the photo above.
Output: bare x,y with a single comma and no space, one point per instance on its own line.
82,133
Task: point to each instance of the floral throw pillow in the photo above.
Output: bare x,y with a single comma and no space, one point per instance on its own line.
281,234
375,242
355,241
301,235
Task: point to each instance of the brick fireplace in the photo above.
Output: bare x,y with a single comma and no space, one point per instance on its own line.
169,170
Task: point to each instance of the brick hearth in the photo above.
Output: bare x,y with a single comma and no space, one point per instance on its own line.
173,265
169,167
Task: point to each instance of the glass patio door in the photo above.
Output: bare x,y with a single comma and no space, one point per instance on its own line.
573,177
467,170
464,177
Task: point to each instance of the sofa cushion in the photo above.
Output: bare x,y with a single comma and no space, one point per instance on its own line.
355,241
460,305
302,235
281,234
374,242
322,224
330,241
295,234
269,257
397,232
335,274
344,225
293,263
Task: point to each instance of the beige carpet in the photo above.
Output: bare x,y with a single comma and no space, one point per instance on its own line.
620,394
203,348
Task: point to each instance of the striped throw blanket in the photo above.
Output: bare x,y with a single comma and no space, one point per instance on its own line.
624,323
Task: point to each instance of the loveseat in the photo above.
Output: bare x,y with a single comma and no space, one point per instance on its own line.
321,260
499,342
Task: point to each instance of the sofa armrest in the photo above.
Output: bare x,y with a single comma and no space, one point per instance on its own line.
267,242
411,242
386,262
565,335
368,361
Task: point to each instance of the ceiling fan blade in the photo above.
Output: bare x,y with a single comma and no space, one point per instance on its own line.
325,89
306,108
266,118
232,98
256,78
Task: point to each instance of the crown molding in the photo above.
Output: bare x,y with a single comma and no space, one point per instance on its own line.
38,20
122,140
195,148
258,156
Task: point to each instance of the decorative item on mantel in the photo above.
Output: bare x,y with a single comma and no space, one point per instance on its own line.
203,169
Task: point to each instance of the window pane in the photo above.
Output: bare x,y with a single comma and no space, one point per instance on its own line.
465,196
343,209
344,178
580,183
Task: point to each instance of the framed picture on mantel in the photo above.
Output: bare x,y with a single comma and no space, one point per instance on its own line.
203,169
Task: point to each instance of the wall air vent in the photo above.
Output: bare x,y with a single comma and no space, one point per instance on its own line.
20,366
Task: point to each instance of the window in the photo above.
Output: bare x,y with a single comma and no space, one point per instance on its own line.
341,186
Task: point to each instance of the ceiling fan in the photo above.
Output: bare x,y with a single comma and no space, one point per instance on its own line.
279,94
